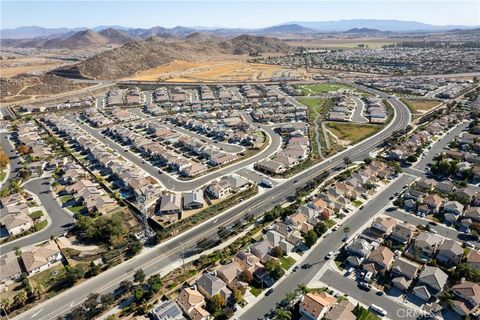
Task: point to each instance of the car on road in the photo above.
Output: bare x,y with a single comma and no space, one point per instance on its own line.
269,292
380,293
365,286
433,223
378,310
470,245
329,255
295,269
433,231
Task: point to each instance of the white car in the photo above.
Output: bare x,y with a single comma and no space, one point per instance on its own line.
329,255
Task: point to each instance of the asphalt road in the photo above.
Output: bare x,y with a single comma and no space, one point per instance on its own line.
165,254
182,186
357,113
59,217
329,243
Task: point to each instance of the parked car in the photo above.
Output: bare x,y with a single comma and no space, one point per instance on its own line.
365,286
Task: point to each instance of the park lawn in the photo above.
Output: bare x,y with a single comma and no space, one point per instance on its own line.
322,88
287,262
420,104
36,214
353,132
357,203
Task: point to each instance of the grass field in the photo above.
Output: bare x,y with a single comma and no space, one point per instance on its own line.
365,314
36,214
420,105
352,132
321,88
287,262
316,113
213,70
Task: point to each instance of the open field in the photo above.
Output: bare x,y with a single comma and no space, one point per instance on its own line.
351,131
12,67
309,89
344,43
420,105
213,70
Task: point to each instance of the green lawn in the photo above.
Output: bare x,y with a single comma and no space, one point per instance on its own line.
3,173
66,198
330,223
256,291
353,132
42,224
36,214
366,315
287,262
357,203
322,88
76,209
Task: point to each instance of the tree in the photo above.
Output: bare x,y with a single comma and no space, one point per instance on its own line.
320,228
278,252
311,238
38,291
125,285
246,276
21,298
274,269
91,302
283,314
72,274
154,283
412,158
3,159
5,304
139,276
138,293
107,299
216,303
238,294
445,298
135,248
303,289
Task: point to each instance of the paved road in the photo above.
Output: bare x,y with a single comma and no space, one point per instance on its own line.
357,115
182,186
59,217
167,253
330,243
395,309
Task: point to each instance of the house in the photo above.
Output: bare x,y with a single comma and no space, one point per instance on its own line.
430,283
261,250
219,189
192,302
384,224
472,213
210,285
445,187
16,223
359,247
427,243
271,166
167,310
248,261
381,258
403,271
465,195
425,184
467,298
229,272
193,200
170,204
450,253
341,311
402,232
37,259
433,202
236,182
315,305
102,204
473,259
13,199
454,207
11,270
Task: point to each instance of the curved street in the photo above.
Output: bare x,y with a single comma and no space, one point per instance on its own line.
167,253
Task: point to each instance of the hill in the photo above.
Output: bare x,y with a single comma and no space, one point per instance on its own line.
142,55
115,36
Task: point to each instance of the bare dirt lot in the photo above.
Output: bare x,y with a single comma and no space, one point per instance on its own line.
214,70
12,67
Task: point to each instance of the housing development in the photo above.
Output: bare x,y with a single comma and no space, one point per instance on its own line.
278,173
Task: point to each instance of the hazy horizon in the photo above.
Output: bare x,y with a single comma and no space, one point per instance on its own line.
229,14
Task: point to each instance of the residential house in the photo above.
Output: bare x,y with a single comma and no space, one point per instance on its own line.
170,204
341,311
430,283
261,249
425,184
11,270
467,298
359,247
39,258
450,253
167,310
402,232
454,207
427,243
192,302
472,213
229,272
315,305
219,189
403,272
433,202
248,261
210,285
473,259
271,166
384,224
193,199
465,194
379,260
16,223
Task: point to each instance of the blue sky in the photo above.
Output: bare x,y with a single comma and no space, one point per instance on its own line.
249,14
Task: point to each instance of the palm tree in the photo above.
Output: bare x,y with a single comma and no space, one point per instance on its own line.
5,305
21,298
445,298
283,314
302,289
39,290
347,231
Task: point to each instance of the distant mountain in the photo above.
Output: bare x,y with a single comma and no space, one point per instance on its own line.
363,30
286,29
115,36
31,32
382,25
80,39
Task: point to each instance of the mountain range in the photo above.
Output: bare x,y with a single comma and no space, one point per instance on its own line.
295,27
